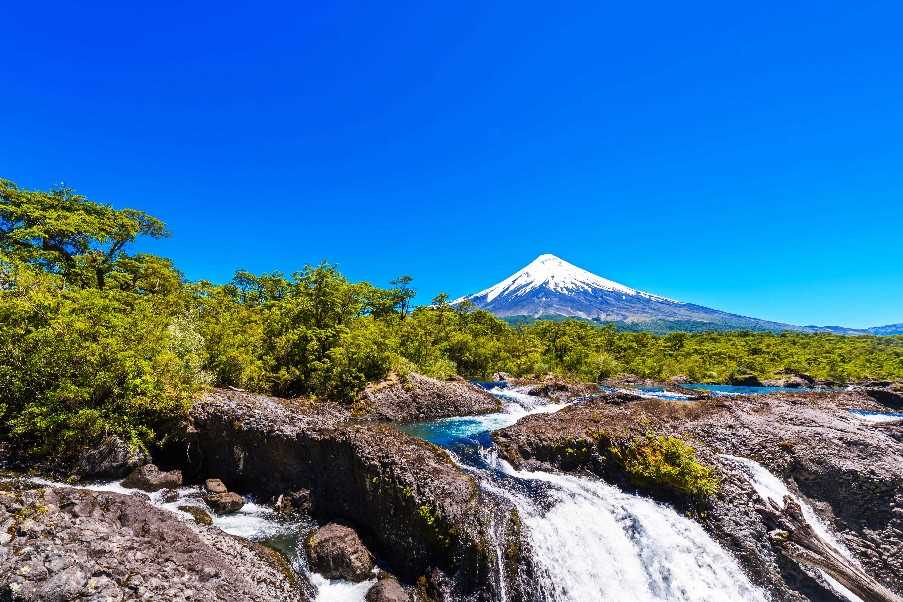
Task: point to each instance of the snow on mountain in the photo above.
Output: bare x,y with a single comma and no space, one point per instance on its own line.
552,287
555,274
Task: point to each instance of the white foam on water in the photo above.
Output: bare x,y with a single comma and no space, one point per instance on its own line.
592,541
664,394
770,487
516,405
876,417
253,521
337,590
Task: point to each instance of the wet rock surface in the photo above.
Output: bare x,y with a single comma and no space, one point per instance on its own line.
387,590
112,459
336,552
850,470
225,503
417,397
66,544
150,478
416,510
558,389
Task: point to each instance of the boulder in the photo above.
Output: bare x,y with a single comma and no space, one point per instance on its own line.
791,382
418,397
336,552
108,546
387,590
215,486
112,458
169,495
680,379
151,478
746,380
296,501
225,503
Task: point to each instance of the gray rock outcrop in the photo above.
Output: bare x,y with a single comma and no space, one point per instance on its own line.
67,544
150,478
336,552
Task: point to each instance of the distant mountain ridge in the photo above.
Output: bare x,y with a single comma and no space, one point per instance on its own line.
550,287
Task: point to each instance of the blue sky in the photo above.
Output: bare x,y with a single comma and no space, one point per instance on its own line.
746,158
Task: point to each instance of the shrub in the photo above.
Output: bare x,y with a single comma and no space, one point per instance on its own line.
666,461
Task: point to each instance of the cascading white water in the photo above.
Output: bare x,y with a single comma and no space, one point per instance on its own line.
592,541
770,487
253,521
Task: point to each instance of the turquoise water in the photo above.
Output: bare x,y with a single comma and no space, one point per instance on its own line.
451,432
741,390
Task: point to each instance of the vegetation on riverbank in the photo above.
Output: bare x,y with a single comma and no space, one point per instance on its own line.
95,340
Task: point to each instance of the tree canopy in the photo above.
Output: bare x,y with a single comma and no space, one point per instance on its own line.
95,341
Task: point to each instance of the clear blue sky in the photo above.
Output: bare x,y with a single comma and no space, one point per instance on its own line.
749,159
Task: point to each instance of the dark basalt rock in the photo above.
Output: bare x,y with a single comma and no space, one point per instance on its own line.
150,478
68,544
746,380
849,470
336,552
791,382
296,501
417,511
387,590
113,458
560,390
225,503
886,396
418,397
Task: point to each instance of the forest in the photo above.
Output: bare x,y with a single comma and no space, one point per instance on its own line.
98,340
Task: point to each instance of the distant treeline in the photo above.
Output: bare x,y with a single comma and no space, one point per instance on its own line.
96,340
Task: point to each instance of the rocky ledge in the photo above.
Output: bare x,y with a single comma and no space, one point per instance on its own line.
417,397
850,470
67,544
415,509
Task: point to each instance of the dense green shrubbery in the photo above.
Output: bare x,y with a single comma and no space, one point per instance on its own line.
95,341
669,462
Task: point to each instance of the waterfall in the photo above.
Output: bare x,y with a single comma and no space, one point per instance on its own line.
592,541
770,487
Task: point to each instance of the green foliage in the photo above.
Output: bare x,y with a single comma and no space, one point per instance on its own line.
66,233
77,364
97,341
669,462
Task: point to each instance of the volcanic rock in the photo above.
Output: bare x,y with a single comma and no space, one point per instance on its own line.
336,552
68,544
418,397
150,478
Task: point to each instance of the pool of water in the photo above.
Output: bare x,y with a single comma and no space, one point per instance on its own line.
743,390
475,431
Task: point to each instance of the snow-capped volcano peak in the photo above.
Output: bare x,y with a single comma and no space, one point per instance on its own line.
550,287
555,274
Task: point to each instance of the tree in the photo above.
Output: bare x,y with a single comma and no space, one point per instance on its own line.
66,233
403,293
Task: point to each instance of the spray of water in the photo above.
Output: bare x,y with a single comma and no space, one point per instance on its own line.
592,541
770,487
